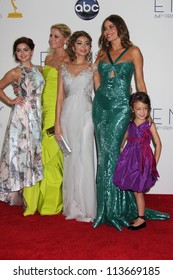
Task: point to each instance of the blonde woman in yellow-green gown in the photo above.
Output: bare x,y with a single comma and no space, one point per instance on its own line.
46,196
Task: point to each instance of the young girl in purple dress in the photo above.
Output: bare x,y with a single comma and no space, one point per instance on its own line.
136,166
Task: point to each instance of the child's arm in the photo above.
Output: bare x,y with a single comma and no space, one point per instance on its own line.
124,141
157,142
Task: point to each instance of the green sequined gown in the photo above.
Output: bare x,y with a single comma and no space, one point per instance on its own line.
111,115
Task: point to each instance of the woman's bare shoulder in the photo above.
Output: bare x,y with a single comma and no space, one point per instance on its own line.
134,50
48,58
13,75
15,72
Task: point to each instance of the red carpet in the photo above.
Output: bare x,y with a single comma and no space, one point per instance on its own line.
54,238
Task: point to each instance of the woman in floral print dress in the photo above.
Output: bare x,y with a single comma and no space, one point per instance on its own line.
21,162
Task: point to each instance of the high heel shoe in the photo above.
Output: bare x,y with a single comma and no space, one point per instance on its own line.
143,225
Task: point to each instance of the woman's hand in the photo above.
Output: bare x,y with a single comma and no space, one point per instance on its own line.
18,100
15,88
58,131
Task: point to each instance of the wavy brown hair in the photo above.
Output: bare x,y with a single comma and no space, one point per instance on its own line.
122,31
72,41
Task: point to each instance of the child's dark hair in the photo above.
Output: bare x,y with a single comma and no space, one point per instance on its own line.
22,40
142,97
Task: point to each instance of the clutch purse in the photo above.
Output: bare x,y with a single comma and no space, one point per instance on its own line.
65,148
50,131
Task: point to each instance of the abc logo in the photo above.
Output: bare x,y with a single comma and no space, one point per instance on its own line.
87,9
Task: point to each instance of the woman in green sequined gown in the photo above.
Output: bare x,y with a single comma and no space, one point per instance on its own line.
117,61
46,196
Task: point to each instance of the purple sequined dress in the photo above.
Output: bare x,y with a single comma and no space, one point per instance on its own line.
136,167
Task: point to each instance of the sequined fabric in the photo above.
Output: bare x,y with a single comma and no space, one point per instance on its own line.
111,115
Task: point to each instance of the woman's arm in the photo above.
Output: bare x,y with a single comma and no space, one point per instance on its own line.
9,78
40,68
96,80
60,99
137,59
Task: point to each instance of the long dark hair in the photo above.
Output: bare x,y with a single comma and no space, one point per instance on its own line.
122,30
22,40
72,41
142,97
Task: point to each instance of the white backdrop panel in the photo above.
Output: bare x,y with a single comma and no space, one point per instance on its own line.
150,23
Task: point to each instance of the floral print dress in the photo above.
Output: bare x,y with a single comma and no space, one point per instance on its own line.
21,161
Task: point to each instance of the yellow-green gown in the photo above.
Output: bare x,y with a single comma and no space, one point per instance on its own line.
46,196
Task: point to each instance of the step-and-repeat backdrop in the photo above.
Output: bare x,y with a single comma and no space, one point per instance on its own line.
150,23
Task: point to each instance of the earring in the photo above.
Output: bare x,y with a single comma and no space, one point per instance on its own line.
107,43
122,42
65,46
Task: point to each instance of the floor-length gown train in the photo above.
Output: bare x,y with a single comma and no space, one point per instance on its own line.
111,115
79,191
46,196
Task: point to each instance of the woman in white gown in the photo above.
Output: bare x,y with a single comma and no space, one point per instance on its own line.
77,80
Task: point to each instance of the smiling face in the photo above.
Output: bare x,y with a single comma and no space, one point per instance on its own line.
82,46
110,31
23,52
56,39
140,110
